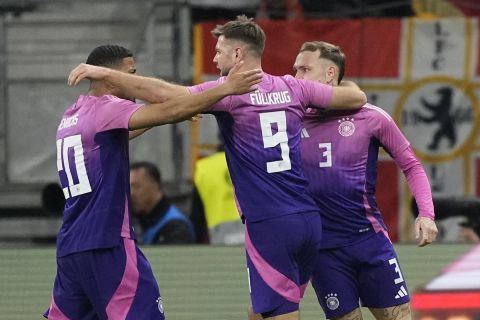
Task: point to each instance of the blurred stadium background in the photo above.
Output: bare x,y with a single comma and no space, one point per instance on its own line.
400,52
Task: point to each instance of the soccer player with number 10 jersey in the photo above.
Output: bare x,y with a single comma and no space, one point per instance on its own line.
101,273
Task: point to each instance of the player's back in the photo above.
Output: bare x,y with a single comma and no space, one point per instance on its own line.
261,131
92,160
340,156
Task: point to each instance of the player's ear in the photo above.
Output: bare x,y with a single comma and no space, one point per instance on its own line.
330,74
239,54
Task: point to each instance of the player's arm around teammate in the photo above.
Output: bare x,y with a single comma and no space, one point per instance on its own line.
155,91
347,97
152,89
183,106
144,88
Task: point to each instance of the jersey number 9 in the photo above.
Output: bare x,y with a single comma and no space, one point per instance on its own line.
280,138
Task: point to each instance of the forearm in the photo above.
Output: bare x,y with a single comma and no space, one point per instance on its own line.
148,89
177,109
344,97
135,133
417,182
420,187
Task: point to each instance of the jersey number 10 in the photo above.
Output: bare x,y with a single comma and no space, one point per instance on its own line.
63,146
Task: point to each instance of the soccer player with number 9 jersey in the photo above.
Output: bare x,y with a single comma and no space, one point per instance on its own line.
261,131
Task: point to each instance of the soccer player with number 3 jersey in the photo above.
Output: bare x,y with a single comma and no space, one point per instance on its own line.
101,273
261,131
339,150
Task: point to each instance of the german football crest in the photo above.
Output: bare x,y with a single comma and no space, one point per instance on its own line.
332,301
346,127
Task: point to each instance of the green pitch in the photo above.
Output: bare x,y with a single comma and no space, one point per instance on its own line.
196,282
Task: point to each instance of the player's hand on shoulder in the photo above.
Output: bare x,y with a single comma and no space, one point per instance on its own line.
83,71
425,231
242,82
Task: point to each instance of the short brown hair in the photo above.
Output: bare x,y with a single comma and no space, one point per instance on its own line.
327,51
243,29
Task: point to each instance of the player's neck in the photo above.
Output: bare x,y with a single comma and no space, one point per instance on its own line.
250,64
98,89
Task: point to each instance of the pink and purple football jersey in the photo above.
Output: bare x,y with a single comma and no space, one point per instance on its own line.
93,165
339,154
261,131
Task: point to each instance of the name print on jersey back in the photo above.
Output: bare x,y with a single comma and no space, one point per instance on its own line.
268,98
68,122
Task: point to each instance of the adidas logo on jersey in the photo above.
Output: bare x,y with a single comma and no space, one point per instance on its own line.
401,293
160,305
304,133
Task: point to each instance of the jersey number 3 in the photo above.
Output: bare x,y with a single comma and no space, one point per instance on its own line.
280,138
63,164
327,154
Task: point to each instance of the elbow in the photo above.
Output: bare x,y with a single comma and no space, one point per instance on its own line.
359,101
362,99
349,99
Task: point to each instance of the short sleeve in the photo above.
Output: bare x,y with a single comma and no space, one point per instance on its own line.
222,105
114,113
314,94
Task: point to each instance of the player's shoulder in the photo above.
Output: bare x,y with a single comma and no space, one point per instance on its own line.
292,82
99,100
110,99
289,79
376,112
209,83
271,78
